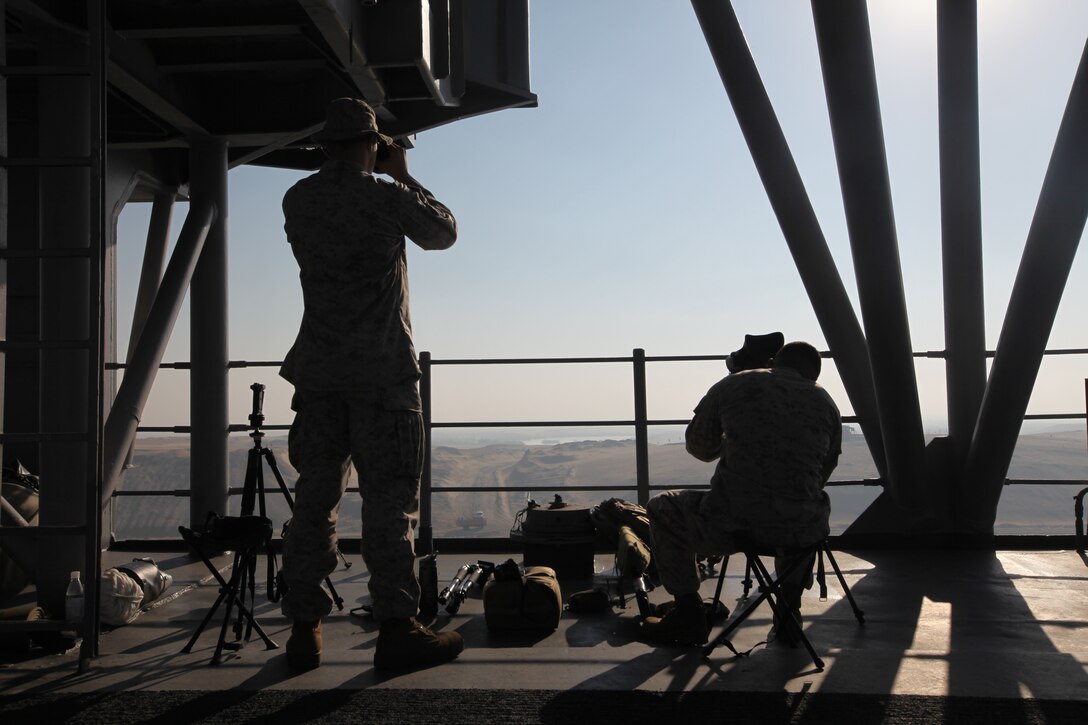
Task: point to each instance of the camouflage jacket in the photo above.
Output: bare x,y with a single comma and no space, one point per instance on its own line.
777,437
347,228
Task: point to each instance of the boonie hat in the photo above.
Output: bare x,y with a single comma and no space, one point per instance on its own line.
347,119
756,351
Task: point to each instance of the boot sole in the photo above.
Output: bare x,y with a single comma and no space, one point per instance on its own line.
303,661
389,664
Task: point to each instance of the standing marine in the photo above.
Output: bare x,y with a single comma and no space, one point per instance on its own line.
355,373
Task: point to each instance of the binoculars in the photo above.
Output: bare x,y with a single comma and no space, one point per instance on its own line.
467,576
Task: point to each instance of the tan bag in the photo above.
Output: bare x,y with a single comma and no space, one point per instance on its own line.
522,600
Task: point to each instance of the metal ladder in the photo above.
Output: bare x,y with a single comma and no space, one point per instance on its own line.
48,254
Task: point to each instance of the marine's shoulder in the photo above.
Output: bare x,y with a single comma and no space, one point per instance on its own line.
333,182
743,380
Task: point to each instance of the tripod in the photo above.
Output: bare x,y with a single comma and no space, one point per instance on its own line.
253,493
246,536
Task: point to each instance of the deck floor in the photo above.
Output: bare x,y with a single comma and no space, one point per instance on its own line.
962,623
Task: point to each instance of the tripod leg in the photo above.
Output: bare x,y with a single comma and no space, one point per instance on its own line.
747,581
736,621
194,543
232,595
860,615
271,459
207,618
251,580
249,486
335,597
782,609
721,582
268,456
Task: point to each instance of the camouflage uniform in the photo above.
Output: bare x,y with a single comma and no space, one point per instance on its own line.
355,374
777,437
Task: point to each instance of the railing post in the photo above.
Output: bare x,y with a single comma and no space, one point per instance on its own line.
642,452
426,531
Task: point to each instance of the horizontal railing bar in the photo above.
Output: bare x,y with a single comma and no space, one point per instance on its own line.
1046,482
527,489
531,360
185,365
254,363
574,423
533,424
1054,416
242,427
232,428
162,366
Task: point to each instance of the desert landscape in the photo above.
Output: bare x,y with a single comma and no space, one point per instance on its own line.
162,464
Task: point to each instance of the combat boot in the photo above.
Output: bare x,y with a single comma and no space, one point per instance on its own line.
405,643
304,646
784,632
682,624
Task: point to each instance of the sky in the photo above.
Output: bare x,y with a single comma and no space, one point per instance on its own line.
625,212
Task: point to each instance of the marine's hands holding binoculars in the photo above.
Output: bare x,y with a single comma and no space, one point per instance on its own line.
393,161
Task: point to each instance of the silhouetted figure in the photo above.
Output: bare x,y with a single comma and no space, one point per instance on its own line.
355,374
776,435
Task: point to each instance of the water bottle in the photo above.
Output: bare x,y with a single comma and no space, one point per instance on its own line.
73,600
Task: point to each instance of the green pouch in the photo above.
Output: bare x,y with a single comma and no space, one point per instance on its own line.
632,554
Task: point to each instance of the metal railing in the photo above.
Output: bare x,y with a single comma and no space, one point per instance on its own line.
640,422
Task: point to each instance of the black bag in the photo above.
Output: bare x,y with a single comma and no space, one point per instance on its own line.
236,533
589,601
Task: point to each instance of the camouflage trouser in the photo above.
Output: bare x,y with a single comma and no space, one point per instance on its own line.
330,432
682,527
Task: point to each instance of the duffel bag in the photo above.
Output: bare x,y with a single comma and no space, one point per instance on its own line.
516,599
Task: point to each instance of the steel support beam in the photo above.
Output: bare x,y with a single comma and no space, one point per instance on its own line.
846,58
158,241
5,205
961,221
144,359
208,379
151,272
793,208
64,109
1051,246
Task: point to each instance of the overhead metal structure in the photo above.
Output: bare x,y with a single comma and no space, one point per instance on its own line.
111,101
953,485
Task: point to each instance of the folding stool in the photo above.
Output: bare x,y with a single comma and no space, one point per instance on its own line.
247,536
770,589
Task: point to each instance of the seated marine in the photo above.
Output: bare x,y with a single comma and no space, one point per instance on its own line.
776,435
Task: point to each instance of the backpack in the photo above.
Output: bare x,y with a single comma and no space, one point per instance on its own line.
627,526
